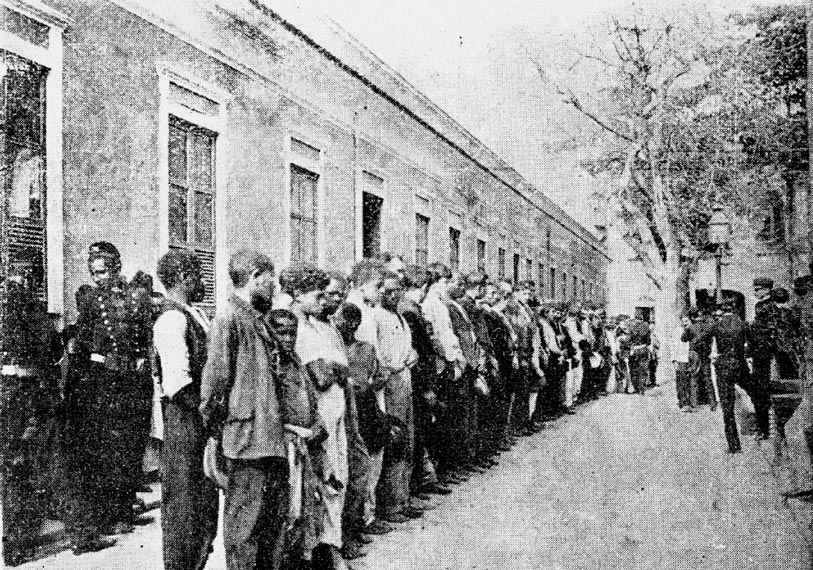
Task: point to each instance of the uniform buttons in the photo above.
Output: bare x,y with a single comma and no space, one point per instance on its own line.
100,299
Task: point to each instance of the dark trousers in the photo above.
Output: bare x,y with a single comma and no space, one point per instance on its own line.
189,501
255,514
701,386
639,372
106,434
358,462
683,384
455,443
730,371
757,388
23,483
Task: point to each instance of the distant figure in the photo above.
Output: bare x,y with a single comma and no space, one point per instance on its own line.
731,334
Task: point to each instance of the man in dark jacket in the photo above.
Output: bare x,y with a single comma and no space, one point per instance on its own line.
731,334
108,410
696,334
241,411
486,445
763,351
189,501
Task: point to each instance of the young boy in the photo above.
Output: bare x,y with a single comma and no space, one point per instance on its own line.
298,409
364,415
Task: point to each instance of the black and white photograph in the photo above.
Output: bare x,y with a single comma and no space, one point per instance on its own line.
425,285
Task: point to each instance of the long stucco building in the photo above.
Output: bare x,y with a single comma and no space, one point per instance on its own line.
222,125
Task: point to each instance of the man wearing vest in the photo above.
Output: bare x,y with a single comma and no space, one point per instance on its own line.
189,500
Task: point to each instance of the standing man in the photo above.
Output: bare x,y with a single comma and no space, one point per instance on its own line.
700,358
680,359
189,500
321,349
763,352
731,334
639,340
241,411
110,407
503,341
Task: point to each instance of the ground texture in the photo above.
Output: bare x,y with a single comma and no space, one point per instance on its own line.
628,483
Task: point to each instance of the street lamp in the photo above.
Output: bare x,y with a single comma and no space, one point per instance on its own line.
719,236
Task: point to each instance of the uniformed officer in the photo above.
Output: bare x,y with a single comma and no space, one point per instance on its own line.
731,334
110,405
29,348
763,351
640,339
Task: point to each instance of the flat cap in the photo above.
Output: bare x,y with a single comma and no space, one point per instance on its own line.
765,282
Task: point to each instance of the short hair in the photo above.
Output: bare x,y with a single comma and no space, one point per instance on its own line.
390,275
475,279
340,276
438,271
529,284
176,263
366,270
142,280
245,262
780,295
414,277
277,318
505,286
303,278
350,312
386,257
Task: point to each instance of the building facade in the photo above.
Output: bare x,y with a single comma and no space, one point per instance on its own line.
223,125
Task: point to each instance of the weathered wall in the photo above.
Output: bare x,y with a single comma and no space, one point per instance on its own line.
284,87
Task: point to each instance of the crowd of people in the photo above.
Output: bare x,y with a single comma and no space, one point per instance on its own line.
769,358
326,407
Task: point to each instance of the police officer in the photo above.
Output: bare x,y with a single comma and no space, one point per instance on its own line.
640,339
763,351
110,405
731,334
29,348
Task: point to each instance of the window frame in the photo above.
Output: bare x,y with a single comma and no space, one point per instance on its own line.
419,217
51,58
382,193
169,74
316,167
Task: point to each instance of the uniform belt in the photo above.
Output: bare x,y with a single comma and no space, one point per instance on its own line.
19,371
101,359
117,363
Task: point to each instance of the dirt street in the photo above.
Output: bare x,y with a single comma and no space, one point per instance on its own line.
628,483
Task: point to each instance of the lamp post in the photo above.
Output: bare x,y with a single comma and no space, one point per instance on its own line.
719,236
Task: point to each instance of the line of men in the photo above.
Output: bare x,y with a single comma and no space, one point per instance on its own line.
778,343
327,412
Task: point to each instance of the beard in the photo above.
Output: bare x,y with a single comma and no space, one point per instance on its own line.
260,302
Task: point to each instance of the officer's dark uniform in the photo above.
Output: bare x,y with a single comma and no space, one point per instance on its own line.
803,286
110,405
640,339
763,350
29,393
731,334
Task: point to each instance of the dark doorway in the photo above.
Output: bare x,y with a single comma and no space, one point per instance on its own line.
371,224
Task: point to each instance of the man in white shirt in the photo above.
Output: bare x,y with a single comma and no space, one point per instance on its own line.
680,359
189,503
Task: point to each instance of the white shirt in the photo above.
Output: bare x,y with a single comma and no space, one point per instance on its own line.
436,313
169,339
317,339
680,349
